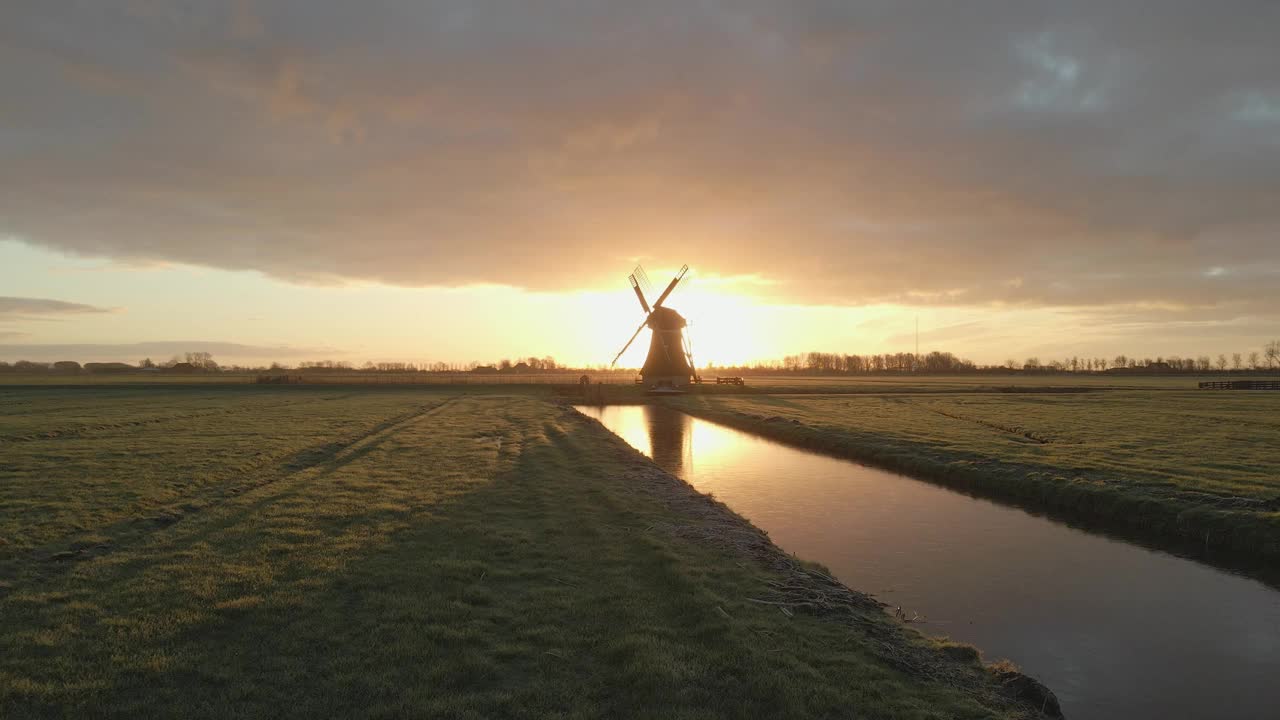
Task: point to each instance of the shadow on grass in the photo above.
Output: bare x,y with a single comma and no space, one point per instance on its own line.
436,572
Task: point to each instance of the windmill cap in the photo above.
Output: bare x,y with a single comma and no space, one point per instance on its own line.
664,318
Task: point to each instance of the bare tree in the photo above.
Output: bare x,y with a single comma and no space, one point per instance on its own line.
1236,361
1222,362
1253,360
202,360
1272,352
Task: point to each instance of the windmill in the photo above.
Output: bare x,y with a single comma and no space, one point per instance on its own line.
669,364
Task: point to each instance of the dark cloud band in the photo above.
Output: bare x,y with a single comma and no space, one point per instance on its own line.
1037,153
11,307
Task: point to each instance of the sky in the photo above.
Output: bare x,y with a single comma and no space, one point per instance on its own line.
465,181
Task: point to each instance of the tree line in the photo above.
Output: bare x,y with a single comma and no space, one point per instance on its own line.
944,362
935,362
204,362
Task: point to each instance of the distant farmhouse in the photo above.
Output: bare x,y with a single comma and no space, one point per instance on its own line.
1152,367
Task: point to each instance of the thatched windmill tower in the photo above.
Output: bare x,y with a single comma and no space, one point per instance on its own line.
669,365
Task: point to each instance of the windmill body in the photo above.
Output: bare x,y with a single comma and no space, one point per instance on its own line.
669,364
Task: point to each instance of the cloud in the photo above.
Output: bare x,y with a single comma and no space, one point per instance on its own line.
133,352
1083,154
942,336
16,308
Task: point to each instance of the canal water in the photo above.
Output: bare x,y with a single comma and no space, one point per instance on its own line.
1116,630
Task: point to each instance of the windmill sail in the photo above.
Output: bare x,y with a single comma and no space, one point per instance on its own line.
635,285
672,286
633,339
643,278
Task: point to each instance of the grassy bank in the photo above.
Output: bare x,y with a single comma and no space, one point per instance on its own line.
1185,467
313,552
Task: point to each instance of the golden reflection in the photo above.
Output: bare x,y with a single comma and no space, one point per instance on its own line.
715,444
669,437
668,431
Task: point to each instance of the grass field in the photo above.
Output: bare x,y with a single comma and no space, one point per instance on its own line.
312,378
1196,466
978,382
322,552
623,382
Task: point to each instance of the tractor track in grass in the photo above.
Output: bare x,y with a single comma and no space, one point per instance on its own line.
86,430
1016,431
61,557
336,457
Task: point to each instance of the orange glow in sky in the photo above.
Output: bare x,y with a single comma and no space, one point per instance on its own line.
119,312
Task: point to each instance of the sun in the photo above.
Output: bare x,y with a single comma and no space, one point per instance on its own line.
720,331
725,326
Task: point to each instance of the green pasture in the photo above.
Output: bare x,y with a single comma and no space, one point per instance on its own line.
306,552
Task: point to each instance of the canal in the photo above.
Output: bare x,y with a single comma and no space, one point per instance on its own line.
1116,630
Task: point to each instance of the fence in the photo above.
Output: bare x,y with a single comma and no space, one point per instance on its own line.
1241,385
